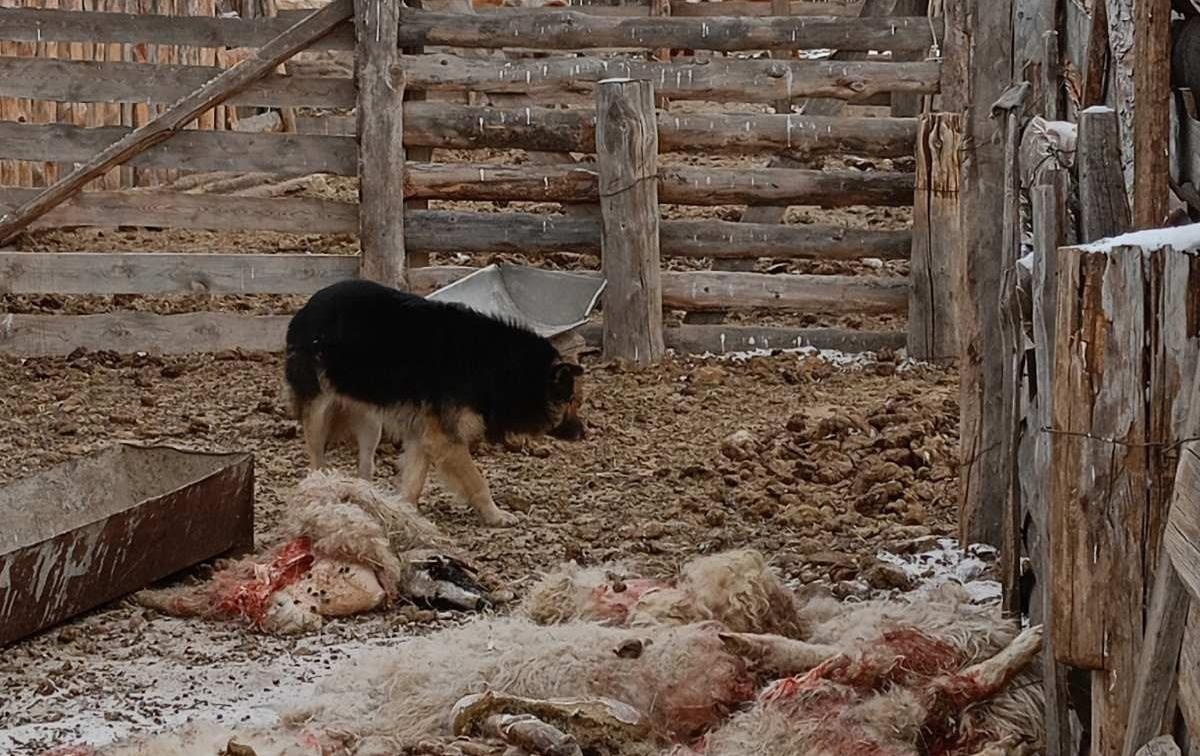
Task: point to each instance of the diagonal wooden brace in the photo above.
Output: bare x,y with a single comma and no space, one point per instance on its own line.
299,36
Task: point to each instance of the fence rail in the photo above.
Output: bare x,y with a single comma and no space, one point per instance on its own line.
311,145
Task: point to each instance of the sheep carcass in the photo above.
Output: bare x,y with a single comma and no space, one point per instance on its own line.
346,549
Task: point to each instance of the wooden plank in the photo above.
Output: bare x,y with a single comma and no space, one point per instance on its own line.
33,24
129,331
751,8
1159,658
1095,485
627,153
1189,672
1120,93
978,68
73,273
720,290
782,186
1096,58
1103,205
932,333
1051,76
115,81
448,126
59,335
1152,119
718,80
176,210
1050,221
728,80
570,30
213,93
1012,342
541,29
381,168
191,150
736,240
442,231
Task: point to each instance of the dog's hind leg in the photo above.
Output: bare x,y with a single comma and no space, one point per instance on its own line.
368,430
317,421
414,469
463,477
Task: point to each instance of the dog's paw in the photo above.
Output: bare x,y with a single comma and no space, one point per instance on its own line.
500,519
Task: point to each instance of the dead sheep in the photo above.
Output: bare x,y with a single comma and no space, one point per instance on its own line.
680,680
735,588
346,548
934,675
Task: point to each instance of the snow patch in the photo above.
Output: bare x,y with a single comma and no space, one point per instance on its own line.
949,563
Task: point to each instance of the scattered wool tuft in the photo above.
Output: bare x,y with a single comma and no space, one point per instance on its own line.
735,588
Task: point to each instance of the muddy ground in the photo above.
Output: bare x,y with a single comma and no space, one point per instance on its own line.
819,465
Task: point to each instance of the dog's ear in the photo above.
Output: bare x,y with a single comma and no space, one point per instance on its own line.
562,379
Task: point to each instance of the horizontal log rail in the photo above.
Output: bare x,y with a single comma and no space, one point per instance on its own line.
540,29
435,124
429,231
59,335
723,80
150,273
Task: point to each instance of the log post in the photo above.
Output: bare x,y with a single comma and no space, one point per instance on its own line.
417,154
1051,75
1103,206
1049,210
932,334
380,136
1123,357
978,67
1012,337
627,153
1152,117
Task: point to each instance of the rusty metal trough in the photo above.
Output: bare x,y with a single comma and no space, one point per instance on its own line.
96,528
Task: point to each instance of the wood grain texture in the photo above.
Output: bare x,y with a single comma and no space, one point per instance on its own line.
436,124
570,30
720,290
85,81
1152,118
190,150
1103,205
165,273
627,154
978,69
59,335
1126,355
178,115
932,333
381,169
1049,209
719,80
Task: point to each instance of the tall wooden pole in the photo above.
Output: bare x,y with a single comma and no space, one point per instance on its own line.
380,141
978,68
627,154
1152,112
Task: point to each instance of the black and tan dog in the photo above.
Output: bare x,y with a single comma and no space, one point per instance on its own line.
364,359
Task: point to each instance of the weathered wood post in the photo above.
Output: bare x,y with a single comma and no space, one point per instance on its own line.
1152,116
932,333
380,129
978,68
1124,356
1103,206
627,154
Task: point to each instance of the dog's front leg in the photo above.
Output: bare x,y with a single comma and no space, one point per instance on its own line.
464,478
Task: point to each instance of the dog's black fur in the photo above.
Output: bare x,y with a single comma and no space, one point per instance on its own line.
386,347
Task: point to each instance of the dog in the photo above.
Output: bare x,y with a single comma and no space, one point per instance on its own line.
365,359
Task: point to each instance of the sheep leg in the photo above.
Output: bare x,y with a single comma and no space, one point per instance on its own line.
987,678
776,654
532,734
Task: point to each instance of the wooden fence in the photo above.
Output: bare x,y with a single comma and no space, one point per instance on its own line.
566,37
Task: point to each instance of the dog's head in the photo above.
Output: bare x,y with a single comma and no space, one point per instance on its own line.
564,396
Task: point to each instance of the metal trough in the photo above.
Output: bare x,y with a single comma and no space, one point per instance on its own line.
549,302
96,528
